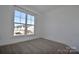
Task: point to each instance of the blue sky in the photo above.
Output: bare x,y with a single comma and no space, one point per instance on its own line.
20,17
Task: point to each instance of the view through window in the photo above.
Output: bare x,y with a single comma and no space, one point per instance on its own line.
23,23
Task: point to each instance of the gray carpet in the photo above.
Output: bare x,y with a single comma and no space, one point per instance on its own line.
36,46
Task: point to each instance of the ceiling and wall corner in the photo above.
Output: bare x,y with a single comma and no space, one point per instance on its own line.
41,9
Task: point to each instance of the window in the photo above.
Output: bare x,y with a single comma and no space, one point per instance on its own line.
23,23
30,24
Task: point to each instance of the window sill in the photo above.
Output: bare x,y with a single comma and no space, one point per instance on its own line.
23,36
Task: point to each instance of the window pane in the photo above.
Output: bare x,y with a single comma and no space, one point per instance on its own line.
17,13
23,15
30,30
30,19
17,19
22,20
19,29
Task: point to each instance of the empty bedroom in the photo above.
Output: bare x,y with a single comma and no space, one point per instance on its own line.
39,29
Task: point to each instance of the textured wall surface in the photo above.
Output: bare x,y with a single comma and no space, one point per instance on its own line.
62,25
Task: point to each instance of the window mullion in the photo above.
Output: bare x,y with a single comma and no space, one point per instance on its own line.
26,25
20,21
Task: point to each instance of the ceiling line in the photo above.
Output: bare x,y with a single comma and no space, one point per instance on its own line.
28,9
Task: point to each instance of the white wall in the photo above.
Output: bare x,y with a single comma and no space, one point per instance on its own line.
6,27
62,25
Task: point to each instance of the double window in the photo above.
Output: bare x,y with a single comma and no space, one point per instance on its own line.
23,23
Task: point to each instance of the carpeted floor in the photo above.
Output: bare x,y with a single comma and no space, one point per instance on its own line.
36,46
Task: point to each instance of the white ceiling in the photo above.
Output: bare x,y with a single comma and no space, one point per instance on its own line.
43,8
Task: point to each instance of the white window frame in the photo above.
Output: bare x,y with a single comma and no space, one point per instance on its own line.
27,12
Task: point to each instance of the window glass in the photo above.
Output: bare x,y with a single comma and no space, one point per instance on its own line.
23,20
17,13
19,29
30,30
23,23
30,19
23,15
17,19
19,23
